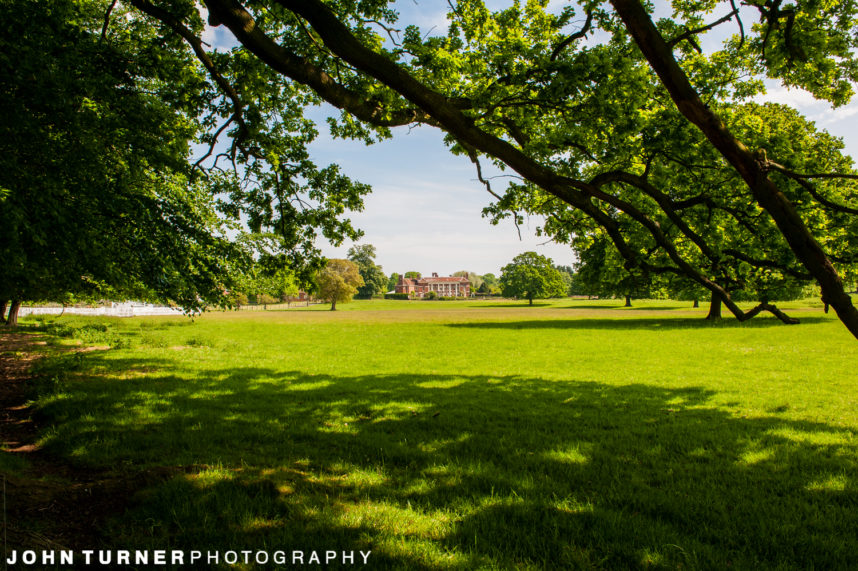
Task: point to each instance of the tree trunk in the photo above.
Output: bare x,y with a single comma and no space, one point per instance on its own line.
628,301
530,301
3,306
696,303
12,321
714,308
333,305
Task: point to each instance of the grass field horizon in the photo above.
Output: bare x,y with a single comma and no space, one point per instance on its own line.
466,435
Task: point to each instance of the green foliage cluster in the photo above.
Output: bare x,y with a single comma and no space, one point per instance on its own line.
532,276
392,281
339,281
374,280
397,296
269,276
94,144
114,173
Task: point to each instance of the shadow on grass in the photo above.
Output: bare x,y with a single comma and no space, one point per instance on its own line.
635,323
515,304
434,472
619,306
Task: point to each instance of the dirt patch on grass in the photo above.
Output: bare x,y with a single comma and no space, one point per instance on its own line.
49,503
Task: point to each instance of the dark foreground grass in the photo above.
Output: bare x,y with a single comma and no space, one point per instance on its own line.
465,436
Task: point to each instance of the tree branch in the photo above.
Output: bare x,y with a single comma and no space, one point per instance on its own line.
739,21
107,19
767,264
689,33
204,58
800,178
576,36
243,26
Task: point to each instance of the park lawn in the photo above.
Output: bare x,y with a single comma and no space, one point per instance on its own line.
463,435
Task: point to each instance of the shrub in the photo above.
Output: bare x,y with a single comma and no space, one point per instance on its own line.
396,296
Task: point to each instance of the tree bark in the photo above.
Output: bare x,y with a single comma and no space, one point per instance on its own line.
12,321
714,308
3,307
333,305
628,301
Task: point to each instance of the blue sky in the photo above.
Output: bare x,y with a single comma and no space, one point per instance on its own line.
424,212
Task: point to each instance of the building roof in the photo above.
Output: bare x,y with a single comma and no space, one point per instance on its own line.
434,280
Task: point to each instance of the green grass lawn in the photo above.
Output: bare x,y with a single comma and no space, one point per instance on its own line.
464,435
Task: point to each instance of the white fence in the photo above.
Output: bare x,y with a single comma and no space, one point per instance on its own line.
128,309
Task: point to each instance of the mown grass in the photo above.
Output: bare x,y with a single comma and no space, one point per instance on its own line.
463,435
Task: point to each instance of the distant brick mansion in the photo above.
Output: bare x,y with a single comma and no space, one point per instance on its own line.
446,286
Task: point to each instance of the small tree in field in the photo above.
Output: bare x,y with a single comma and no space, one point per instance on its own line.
531,276
339,280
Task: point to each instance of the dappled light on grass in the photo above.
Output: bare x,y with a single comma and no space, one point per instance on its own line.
833,483
444,446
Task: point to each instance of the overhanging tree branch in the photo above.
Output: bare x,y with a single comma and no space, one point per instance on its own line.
576,36
806,248
244,27
688,34
203,56
811,189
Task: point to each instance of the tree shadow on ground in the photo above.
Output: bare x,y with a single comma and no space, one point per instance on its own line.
522,304
619,306
469,471
635,323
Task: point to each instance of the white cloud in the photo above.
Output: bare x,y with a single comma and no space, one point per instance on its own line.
798,98
219,38
841,122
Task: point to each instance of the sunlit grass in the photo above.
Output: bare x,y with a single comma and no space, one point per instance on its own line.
460,435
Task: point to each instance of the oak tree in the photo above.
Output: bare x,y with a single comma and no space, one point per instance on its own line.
93,153
110,171
531,276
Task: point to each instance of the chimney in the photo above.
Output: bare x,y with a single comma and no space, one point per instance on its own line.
434,274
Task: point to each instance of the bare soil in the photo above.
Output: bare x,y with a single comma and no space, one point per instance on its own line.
51,504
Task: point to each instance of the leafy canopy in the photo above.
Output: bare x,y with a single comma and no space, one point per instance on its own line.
339,281
531,276
94,143
374,280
